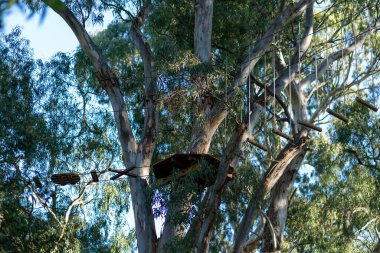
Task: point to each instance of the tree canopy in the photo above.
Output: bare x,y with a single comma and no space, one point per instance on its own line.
283,95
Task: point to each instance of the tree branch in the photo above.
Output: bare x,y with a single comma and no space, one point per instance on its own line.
358,41
270,178
106,77
256,52
234,145
150,96
43,202
253,242
203,29
77,201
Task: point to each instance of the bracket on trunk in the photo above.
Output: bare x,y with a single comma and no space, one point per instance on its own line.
123,172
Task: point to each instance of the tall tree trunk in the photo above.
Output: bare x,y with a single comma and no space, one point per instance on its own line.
142,209
143,215
203,29
201,135
270,178
377,248
137,154
214,194
278,209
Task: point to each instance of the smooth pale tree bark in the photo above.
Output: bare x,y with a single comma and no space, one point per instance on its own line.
339,54
290,151
253,242
142,210
214,194
140,154
276,170
276,214
201,139
255,53
278,209
199,144
299,111
201,133
203,29
217,113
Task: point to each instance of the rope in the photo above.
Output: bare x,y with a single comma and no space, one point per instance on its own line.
225,101
265,101
299,65
290,87
274,86
342,53
356,64
249,92
371,59
317,81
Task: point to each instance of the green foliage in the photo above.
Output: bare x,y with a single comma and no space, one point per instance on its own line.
47,126
20,230
26,142
337,208
55,117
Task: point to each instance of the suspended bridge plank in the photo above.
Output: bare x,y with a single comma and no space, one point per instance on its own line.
283,135
366,104
254,143
186,163
337,115
309,125
65,178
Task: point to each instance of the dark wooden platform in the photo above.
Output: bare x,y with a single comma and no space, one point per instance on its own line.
65,178
186,163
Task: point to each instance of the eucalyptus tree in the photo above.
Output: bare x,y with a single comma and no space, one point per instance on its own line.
46,128
19,126
28,146
225,73
336,209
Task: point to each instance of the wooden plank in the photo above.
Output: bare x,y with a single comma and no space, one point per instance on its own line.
309,125
65,178
337,115
121,172
283,135
254,143
181,173
366,104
